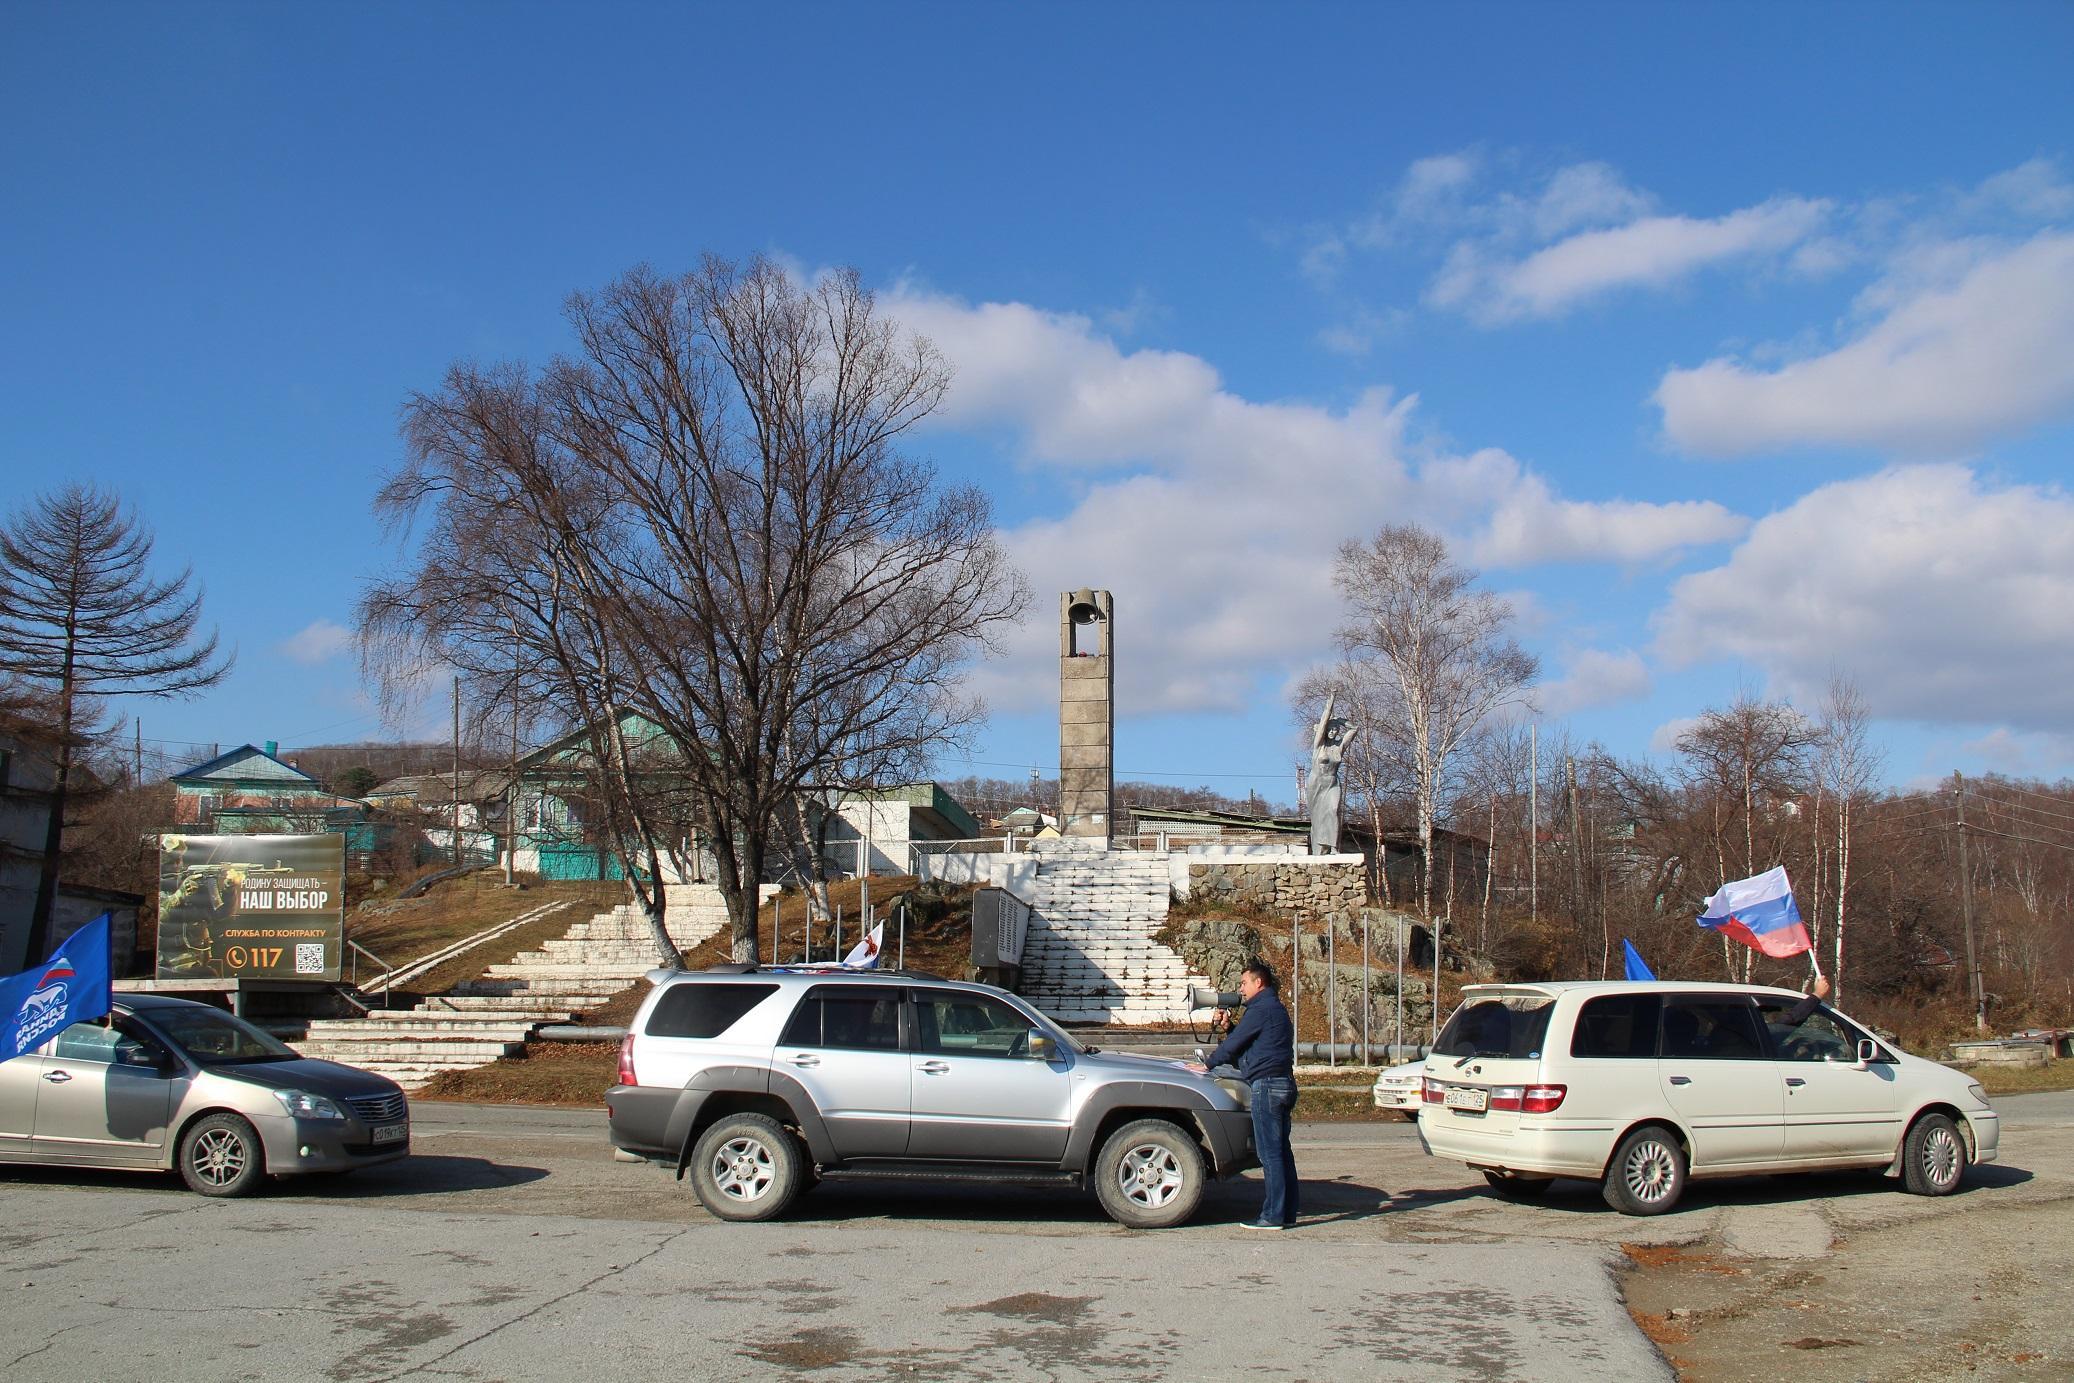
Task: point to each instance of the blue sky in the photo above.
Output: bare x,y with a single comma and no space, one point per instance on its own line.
1737,343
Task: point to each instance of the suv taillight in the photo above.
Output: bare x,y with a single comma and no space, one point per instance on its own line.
626,1059
1430,1091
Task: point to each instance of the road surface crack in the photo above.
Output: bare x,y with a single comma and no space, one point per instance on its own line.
534,1310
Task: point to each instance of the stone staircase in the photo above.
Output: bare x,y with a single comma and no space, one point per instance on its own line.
493,1016
1090,956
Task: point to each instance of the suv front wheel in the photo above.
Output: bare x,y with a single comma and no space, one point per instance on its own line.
1149,1175
747,1167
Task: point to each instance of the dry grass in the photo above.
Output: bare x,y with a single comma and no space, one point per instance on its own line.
401,930
551,1073
2007,1080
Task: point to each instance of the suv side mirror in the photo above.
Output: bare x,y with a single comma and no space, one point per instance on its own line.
1868,1052
1041,1046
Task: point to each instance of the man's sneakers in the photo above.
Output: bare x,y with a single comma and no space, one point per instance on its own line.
1264,1224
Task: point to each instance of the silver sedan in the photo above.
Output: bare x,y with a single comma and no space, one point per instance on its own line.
168,1084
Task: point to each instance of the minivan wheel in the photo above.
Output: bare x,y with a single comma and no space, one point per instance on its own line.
222,1156
1647,1174
746,1167
1149,1175
1933,1157
1519,1187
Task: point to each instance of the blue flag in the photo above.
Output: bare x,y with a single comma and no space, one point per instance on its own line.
71,987
1637,969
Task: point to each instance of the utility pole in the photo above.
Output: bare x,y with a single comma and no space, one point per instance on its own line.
511,792
137,777
1534,822
1980,993
1576,849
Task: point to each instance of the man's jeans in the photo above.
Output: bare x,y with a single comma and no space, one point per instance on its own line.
1274,1099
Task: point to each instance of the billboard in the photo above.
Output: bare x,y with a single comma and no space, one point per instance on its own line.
251,907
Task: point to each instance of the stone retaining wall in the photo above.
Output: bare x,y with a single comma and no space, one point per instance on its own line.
1299,886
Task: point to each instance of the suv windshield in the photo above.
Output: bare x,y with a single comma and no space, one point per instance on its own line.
215,1038
1512,1025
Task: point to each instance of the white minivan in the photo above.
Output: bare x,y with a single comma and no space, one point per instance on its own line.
1639,1085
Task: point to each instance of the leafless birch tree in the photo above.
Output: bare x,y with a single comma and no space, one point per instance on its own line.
1437,645
1848,762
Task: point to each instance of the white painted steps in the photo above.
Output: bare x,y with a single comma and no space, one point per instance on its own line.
1090,956
494,1015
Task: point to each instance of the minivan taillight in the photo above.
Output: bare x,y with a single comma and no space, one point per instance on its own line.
1527,1099
1431,1091
626,1059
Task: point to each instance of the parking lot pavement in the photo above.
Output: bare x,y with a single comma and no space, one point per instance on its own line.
511,1246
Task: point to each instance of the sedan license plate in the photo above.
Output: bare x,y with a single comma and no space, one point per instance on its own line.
1456,1097
392,1133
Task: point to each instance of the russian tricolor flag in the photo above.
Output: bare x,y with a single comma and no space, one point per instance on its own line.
1759,912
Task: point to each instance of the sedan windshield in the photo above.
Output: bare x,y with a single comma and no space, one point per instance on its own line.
214,1038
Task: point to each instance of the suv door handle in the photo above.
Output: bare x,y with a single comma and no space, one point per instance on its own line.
1681,1080
57,1077
1795,1080
805,1059
936,1068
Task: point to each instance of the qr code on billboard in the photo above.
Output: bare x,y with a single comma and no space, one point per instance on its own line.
309,958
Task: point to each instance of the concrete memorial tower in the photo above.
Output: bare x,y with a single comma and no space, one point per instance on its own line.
1087,715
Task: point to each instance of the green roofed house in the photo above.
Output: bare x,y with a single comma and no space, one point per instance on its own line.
557,837
250,791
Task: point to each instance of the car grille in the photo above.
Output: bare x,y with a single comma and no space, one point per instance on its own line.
379,1109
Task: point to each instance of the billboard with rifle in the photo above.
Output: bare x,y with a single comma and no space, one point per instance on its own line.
251,907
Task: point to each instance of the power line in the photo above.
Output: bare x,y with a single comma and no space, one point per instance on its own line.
1133,772
1994,805
2055,844
2027,792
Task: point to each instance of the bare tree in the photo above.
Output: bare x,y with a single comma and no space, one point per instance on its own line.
1436,644
82,620
708,526
1749,751
1848,763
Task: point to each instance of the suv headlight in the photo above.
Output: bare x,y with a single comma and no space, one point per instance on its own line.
1979,1092
301,1104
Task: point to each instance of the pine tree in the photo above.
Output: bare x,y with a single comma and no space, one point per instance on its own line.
82,620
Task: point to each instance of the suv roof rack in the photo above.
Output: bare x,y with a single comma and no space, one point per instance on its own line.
736,967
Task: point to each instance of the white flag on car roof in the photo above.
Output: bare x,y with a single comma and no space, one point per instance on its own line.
866,954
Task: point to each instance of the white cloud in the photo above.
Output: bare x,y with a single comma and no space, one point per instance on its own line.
1652,252
1213,518
1528,523
1944,599
1594,677
320,642
2004,750
1664,739
1947,369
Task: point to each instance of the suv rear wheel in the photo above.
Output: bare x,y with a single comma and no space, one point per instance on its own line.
1149,1175
1647,1174
747,1167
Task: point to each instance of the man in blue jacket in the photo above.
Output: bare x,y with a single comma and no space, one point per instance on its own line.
1264,1047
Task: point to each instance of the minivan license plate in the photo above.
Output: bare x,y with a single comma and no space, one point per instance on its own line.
392,1133
1455,1097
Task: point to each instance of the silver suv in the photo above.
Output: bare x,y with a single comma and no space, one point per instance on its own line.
760,1082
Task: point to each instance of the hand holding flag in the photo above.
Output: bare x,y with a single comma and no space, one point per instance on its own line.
1760,913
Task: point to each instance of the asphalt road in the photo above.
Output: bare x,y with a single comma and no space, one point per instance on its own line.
511,1246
